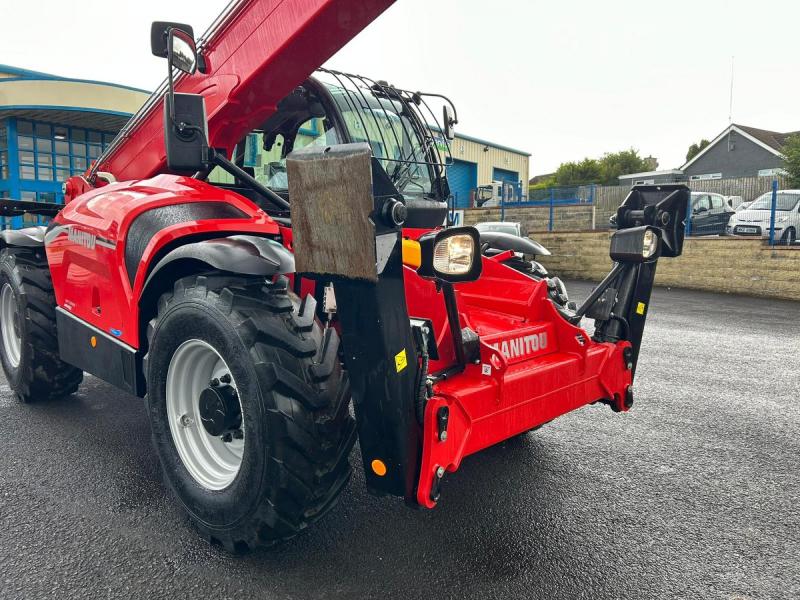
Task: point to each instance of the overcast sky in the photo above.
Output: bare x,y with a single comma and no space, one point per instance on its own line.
561,80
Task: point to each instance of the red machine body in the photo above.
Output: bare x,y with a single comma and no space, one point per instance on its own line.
91,276
534,366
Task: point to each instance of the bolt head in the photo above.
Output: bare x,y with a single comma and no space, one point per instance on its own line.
186,421
440,472
443,436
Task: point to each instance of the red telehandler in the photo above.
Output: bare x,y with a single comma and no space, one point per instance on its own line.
263,242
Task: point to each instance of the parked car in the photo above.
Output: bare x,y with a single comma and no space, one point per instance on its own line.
710,213
755,220
512,227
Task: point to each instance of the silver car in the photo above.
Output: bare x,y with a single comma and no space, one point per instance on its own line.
755,219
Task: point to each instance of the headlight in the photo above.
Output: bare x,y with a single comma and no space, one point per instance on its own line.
450,254
635,244
453,255
650,244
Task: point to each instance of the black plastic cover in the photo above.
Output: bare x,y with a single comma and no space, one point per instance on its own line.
186,149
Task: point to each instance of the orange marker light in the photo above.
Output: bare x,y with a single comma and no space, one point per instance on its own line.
412,255
378,467
93,341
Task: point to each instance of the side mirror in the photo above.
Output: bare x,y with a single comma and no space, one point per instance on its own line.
185,126
159,35
181,51
448,123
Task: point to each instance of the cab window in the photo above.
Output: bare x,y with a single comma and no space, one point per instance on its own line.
263,153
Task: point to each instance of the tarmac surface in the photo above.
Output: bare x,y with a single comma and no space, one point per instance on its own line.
695,493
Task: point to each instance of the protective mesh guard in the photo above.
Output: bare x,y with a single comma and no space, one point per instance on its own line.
331,191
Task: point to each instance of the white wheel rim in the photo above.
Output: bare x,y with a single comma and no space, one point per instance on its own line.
212,462
12,342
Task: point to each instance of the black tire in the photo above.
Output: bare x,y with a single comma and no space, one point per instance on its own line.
790,237
39,373
294,397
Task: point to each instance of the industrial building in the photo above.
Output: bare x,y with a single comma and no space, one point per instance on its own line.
52,127
477,162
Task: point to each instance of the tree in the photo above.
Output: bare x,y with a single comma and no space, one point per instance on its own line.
605,170
696,149
614,164
791,159
578,173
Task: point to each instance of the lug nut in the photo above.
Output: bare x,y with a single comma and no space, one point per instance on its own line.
440,472
186,421
225,378
214,382
227,438
238,434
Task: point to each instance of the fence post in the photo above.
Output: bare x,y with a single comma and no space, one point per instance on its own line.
552,200
688,216
772,212
502,202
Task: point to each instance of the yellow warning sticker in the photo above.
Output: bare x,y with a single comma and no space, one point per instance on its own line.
400,360
640,308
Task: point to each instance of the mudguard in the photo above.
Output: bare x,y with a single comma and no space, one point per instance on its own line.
506,241
30,237
241,254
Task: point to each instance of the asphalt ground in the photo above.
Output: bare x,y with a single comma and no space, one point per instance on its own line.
693,494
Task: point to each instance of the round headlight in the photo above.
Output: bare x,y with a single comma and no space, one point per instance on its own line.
454,254
649,244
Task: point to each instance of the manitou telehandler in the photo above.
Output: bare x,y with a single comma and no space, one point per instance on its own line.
254,213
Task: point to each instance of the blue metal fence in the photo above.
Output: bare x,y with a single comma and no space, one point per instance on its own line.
551,198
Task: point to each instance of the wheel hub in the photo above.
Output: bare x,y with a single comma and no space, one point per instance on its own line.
219,410
205,414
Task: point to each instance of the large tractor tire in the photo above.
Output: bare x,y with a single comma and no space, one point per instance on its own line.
249,408
28,338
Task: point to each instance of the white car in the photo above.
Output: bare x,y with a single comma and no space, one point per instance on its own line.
755,219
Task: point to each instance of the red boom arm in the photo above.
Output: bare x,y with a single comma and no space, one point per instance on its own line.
257,54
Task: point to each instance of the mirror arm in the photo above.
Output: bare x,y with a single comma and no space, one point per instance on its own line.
220,160
170,85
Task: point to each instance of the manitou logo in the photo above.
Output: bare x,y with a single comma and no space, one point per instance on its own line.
84,238
522,346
